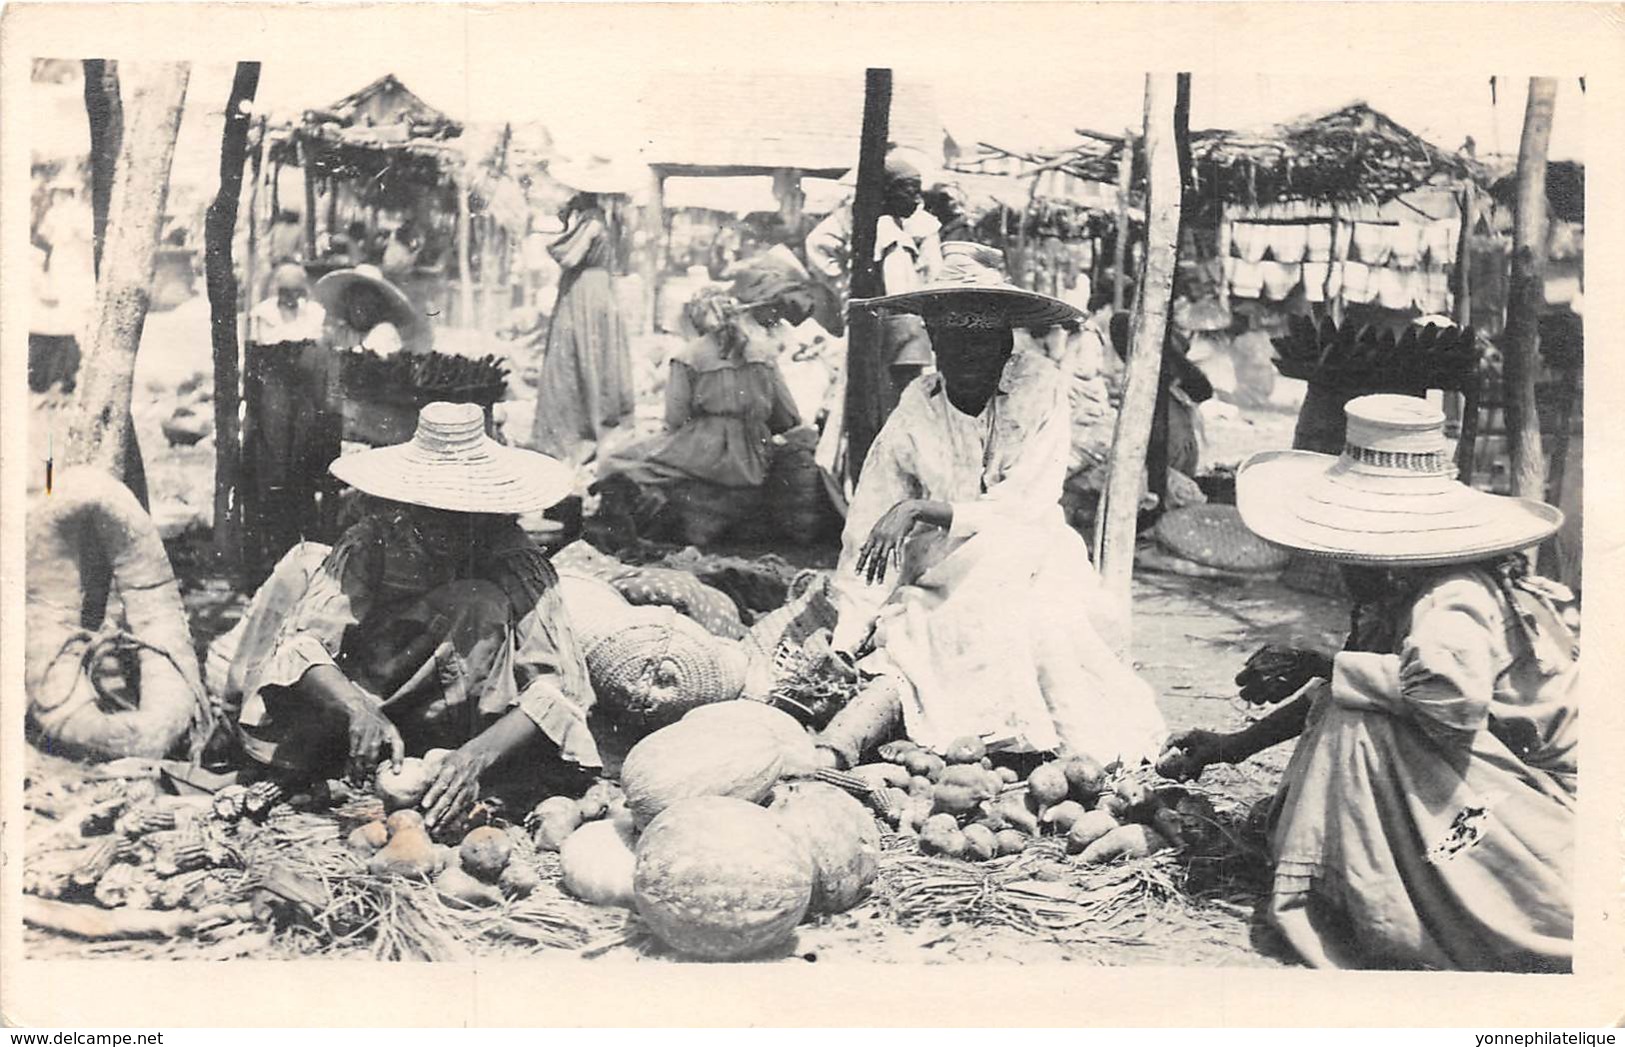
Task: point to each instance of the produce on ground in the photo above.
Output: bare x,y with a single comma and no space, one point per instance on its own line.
840,837
799,754
598,861
717,879
688,760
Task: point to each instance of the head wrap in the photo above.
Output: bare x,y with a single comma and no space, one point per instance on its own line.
900,170
289,276
768,276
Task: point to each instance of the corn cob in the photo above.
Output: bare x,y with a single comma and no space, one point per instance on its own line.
173,892
96,864
230,802
137,822
260,798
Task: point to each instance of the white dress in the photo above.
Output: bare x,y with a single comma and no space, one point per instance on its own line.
997,627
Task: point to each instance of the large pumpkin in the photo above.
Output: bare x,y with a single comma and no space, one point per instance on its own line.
717,879
687,760
795,744
840,837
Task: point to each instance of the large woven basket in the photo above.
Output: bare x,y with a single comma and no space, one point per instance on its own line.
1214,536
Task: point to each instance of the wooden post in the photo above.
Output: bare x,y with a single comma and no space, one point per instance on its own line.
652,261
1153,297
465,279
787,190
220,278
105,108
1465,403
100,431
1521,347
302,151
1125,174
865,410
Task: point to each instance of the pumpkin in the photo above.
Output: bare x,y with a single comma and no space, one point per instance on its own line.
688,759
717,879
796,746
597,861
840,837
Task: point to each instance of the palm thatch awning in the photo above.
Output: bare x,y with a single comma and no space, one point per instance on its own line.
1354,154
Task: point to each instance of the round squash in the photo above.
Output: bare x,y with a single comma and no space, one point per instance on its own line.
840,837
796,745
717,879
689,759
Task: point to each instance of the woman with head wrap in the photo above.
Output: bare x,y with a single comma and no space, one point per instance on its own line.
725,401
586,380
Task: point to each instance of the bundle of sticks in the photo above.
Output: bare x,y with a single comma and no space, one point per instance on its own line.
424,373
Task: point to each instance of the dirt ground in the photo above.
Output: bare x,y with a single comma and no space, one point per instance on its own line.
1190,637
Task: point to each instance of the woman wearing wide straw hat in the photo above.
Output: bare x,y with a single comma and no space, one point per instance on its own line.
433,623
366,311
586,382
1427,816
958,577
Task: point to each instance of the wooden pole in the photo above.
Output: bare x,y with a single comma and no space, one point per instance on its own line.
1153,297
105,109
865,410
652,259
100,431
1521,348
305,161
220,279
1465,403
1125,172
464,277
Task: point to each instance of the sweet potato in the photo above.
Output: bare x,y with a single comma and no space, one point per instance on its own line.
518,879
1085,778
365,840
485,852
1125,841
404,788
1013,808
1140,802
1010,841
552,822
972,777
1089,828
1061,817
453,882
407,819
920,785
953,799
1007,775
968,749
949,844
409,853
980,843
894,752
1047,784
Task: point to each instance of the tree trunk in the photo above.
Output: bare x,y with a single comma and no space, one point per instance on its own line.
865,372
220,274
100,431
1125,175
1521,349
105,108
1153,295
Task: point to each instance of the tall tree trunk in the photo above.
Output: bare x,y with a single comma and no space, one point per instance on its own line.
105,109
865,372
219,229
1153,295
1521,348
1157,455
100,431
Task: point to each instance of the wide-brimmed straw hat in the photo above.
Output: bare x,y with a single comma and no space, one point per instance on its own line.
332,289
450,463
1391,497
595,178
971,291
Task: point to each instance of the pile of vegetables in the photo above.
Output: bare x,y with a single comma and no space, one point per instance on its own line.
960,805
717,836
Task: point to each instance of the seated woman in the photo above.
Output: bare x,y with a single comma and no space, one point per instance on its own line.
725,401
1427,816
434,622
366,311
958,577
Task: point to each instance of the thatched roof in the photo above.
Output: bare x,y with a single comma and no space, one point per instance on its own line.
1565,190
1352,154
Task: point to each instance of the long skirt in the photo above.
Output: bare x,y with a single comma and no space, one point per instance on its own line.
1394,852
1008,637
586,381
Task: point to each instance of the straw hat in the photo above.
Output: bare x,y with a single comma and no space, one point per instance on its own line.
970,291
590,178
1390,498
332,289
451,464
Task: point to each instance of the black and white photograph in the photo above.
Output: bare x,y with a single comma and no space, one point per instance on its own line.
670,501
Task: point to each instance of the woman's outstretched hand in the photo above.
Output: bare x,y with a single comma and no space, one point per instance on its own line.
883,550
1275,672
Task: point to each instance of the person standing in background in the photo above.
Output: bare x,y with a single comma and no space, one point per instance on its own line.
586,379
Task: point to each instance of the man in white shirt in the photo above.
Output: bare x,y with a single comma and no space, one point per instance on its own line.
288,315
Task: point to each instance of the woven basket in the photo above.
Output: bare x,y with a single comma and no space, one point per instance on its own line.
1214,536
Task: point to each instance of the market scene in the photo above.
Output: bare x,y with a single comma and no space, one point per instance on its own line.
828,524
